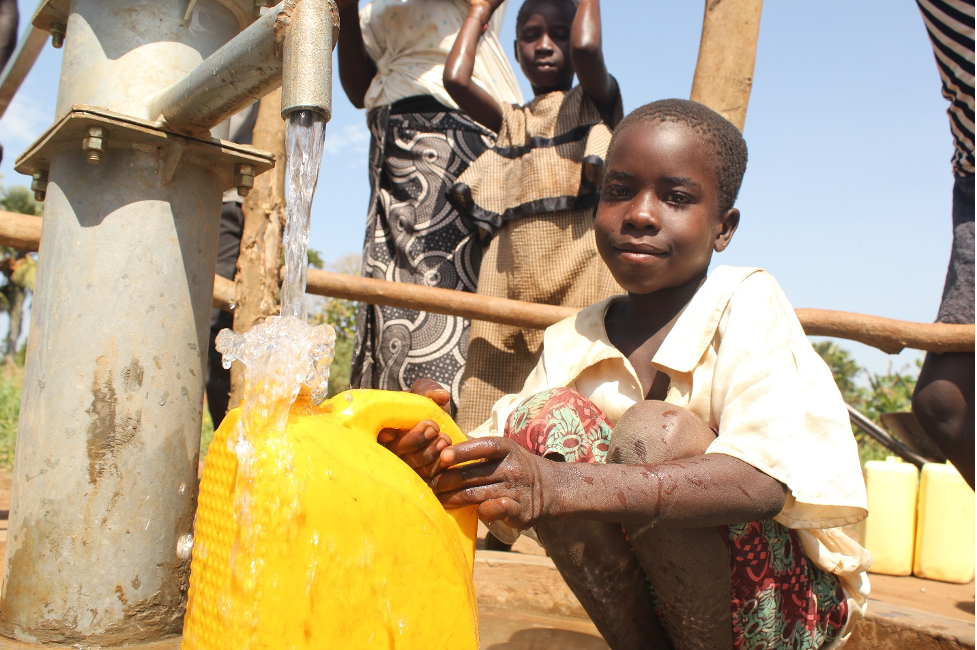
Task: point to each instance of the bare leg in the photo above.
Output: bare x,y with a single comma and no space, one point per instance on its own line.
944,404
598,565
688,567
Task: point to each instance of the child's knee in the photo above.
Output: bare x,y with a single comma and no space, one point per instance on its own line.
656,432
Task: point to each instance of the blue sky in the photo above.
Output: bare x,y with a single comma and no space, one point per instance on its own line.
847,194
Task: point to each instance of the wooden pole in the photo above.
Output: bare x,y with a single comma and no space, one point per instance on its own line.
886,334
20,231
257,278
727,53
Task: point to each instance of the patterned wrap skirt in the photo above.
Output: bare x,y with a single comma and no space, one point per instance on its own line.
778,598
414,235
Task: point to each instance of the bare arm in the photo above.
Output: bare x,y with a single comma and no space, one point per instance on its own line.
471,98
9,17
588,59
520,489
356,69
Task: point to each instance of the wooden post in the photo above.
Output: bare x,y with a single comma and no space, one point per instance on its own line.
727,53
257,278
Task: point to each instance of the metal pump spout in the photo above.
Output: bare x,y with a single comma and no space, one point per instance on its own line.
290,45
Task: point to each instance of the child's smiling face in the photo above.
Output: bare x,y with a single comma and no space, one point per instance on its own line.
659,218
543,46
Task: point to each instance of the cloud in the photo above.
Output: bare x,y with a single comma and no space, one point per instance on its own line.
351,140
24,120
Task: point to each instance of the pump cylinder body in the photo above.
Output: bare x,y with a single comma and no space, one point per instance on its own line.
105,476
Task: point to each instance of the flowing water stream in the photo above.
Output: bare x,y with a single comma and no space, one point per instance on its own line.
282,355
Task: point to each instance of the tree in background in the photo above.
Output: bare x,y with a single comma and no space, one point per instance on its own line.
18,269
887,393
341,314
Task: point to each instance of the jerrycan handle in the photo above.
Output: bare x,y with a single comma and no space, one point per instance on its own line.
369,411
373,410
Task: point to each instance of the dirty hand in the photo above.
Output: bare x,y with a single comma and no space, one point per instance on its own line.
508,485
420,446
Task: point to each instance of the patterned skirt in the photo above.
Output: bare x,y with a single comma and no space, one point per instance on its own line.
778,598
414,235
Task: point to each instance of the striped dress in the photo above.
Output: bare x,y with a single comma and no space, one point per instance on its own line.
950,24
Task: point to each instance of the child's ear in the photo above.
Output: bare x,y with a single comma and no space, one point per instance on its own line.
515,50
728,224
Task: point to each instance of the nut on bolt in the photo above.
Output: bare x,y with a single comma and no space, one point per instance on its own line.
57,34
39,184
94,143
243,178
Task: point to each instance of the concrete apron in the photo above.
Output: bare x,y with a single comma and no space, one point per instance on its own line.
525,605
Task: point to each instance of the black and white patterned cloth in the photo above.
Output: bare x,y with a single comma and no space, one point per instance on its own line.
950,24
414,235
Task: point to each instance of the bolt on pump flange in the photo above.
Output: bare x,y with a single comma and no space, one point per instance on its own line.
94,143
39,184
243,178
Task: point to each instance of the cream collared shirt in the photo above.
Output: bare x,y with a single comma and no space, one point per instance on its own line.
737,358
409,42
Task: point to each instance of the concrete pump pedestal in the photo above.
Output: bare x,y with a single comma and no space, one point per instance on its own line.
105,476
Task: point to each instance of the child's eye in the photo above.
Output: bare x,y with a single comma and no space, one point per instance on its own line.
616,191
560,33
529,35
678,197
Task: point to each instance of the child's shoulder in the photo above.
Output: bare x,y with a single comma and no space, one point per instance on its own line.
757,311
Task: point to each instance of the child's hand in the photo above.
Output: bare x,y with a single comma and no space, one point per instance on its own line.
421,446
509,485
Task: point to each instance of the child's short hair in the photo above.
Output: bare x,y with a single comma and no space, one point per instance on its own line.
726,140
529,4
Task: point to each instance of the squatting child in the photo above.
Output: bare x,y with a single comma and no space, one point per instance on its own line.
535,192
682,451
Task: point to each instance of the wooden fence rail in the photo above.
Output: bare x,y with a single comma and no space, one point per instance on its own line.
23,232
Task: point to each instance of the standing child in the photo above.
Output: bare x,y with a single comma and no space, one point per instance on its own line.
682,452
536,190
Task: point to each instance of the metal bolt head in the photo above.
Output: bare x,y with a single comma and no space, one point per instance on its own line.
94,144
39,184
57,34
243,178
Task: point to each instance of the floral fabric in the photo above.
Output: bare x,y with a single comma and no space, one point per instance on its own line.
778,598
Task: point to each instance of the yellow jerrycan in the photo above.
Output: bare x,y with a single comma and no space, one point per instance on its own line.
945,533
890,527
343,546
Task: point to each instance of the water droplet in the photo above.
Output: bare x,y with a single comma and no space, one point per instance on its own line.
183,488
232,306
349,397
183,546
147,524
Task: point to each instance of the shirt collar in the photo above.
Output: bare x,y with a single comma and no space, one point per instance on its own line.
695,329
579,342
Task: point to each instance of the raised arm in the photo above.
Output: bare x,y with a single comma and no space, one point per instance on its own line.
469,96
356,69
588,59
